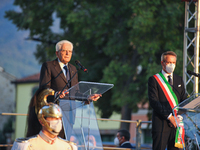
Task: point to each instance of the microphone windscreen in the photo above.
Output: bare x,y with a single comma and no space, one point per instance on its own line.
77,62
189,72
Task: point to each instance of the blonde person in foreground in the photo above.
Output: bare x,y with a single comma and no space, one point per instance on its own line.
50,117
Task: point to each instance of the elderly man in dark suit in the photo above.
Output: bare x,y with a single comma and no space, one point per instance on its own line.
161,89
57,74
53,73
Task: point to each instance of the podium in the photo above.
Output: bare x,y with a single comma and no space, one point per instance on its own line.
79,118
189,109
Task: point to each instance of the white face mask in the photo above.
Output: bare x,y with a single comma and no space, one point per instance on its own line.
116,141
90,145
56,126
170,68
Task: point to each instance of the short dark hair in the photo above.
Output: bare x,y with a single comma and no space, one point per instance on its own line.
124,133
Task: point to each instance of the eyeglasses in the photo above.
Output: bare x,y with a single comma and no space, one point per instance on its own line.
64,51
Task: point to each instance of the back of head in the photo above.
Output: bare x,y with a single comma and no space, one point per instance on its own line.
124,133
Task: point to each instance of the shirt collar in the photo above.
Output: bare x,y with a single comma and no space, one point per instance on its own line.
125,143
62,64
46,138
166,74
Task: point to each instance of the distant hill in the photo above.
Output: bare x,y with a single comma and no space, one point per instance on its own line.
16,53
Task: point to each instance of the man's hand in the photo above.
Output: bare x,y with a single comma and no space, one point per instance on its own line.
173,122
62,95
94,97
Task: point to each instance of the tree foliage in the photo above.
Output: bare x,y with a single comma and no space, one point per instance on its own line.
119,41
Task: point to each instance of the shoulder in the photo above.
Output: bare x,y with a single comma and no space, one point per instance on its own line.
23,143
177,76
68,143
177,79
71,66
153,76
51,62
127,145
151,79
65,141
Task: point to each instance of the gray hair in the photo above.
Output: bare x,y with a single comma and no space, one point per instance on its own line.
163,56
60,43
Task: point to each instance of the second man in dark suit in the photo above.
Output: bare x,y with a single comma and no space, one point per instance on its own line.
161,89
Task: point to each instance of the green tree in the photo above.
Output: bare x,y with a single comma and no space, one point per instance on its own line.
120,41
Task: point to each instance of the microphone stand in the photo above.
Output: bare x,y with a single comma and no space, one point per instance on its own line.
57,97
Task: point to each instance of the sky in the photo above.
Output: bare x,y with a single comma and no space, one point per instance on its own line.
16,53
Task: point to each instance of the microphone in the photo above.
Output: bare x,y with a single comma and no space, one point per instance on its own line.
81,66
193,73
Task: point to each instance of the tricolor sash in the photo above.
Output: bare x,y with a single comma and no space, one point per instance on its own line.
173,101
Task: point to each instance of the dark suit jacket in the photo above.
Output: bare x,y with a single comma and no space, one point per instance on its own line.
52,77
159,103
50,70
127,145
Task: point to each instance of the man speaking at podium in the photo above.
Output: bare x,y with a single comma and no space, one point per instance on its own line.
58,73
165,91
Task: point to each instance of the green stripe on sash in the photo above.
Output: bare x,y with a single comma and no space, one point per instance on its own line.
169,87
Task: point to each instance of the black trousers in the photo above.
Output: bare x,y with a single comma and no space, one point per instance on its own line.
161,140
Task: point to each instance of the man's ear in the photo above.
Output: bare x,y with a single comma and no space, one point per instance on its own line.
123,138
162,63
56,53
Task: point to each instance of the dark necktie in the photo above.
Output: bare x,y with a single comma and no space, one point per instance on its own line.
67,73
170,81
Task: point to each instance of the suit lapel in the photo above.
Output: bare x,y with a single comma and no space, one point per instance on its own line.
175,84
72,72
58,70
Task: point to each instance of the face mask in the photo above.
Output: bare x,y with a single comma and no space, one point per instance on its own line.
56,126
170,68
90,145
116,141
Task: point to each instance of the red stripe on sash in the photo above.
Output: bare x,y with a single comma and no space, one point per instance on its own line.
165,92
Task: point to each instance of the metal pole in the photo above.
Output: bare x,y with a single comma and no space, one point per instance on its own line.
185,45
196,52
138,135
191,42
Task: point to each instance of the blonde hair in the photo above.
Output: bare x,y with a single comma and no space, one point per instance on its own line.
60,43
163,56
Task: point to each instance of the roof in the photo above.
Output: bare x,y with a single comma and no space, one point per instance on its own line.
28,79
6,75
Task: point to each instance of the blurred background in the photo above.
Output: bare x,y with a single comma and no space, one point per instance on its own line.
119,41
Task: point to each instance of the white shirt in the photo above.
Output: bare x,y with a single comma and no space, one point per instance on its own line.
166,75
62,65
